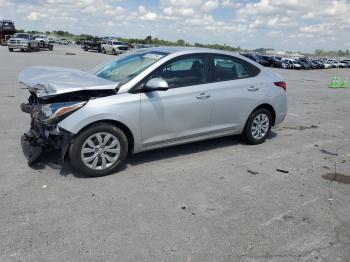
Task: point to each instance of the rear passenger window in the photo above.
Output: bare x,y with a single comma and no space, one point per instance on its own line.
230,68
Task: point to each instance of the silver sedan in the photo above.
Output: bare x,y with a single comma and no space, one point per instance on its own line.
148,99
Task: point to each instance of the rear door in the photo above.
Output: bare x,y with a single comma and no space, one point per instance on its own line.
184,110
236,89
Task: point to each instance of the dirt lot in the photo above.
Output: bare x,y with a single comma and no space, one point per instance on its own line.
218,200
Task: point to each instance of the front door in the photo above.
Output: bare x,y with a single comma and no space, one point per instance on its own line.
184,110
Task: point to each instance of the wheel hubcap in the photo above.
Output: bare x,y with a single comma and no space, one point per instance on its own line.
100,151
260,126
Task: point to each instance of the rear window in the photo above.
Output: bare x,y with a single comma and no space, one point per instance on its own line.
231,68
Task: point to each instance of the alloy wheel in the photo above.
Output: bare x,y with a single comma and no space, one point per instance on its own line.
260,126
100,151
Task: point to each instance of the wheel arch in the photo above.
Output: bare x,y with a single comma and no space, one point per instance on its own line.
268,107
129,135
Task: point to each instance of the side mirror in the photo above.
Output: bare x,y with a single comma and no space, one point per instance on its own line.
156,84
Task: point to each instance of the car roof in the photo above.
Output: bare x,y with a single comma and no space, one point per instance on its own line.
188,50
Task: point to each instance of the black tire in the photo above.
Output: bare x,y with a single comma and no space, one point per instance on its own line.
103,50
78,142
29,48
11,49
114,52
37,48
248,129
50,47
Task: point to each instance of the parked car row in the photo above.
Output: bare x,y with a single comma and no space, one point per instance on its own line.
23,42
29,42
105,45
298,63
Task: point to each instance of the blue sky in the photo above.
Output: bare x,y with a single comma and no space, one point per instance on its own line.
303,25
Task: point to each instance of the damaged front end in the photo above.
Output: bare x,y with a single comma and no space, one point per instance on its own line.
56,93
44,133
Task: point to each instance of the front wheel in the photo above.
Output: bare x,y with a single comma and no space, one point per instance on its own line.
258,126
11,49
98,150
103,50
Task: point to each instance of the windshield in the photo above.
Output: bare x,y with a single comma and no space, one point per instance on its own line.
127,66
25,36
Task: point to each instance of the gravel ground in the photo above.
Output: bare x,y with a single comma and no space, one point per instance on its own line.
217,200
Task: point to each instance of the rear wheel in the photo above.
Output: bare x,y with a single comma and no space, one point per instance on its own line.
11,49
258,126
98,150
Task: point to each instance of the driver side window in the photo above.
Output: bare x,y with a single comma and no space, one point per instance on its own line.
185,71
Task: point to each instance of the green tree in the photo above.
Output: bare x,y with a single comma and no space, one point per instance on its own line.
148,39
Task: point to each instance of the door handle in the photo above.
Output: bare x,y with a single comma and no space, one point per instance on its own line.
253,89
203,96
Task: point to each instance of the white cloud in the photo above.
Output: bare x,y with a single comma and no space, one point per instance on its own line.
235,22
210,5
34,16
142,9
149,16
5,3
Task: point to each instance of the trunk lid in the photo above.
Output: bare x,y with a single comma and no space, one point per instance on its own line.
46,82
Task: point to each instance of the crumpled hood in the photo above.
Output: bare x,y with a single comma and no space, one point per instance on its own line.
50,81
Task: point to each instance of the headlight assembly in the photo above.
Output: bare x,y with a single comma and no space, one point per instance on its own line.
54,113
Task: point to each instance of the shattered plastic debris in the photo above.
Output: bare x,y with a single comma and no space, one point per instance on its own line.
252,172
282,171
328,152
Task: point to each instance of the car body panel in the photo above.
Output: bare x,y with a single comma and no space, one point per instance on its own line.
175,113
57,80
163,118
122,108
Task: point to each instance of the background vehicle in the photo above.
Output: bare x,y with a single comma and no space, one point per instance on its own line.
7,30
291,63
44,42
150,99
114,47
24,42
92,44
63,42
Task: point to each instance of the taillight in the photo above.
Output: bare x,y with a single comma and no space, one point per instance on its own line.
281,84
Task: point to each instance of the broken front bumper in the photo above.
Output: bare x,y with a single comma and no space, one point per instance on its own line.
42,137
